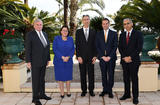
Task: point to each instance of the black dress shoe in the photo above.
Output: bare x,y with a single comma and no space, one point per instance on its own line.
68,95
135,101
124,97
110,95
102,94
92,93
62,96
45,97
83,94
36,102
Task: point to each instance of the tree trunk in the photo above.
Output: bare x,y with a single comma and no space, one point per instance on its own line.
65,12
26,2
73,10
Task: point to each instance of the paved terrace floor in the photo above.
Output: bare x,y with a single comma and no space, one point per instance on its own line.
147,98
25,98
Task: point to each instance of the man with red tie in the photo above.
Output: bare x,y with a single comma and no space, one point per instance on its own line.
130,46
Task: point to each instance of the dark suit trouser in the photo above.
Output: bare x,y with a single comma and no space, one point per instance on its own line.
85,68
130,73
38,81
107,71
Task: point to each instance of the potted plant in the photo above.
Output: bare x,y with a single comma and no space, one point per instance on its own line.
12,44
155,55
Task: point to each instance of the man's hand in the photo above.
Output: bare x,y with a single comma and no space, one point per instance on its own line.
48,63
127,59
29,65
94,60
106,59
80,60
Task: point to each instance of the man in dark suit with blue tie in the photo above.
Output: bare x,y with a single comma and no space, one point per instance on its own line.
130,46
86,55
37,58
106,44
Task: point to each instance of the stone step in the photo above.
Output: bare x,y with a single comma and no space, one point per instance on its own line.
75,87
118,75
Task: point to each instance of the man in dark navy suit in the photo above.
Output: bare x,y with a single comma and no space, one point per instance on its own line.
86,55
37,58
130,46
106,44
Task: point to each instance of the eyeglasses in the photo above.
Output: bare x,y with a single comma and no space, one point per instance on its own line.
65,30
126,24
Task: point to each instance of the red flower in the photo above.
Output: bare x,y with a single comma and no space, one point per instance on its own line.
12,32
4,33
6,30
9,34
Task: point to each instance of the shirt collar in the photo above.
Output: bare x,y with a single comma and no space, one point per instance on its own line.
106,31
129,31
85,28
38,32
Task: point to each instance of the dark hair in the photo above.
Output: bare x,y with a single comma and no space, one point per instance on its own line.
106,19
85,16
64,27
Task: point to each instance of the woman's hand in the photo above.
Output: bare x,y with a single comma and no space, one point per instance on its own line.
65,59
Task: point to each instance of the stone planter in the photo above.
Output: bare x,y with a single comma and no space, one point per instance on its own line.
148,45
13,47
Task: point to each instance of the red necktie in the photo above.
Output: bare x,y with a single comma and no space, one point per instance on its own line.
127,38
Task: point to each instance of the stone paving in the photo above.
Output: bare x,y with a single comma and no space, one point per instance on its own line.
25,98
147,98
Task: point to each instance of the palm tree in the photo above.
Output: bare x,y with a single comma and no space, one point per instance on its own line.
73,10
20,17
26,2
77,5
65,12
144,14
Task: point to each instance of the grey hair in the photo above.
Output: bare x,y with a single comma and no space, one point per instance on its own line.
128,19
37,20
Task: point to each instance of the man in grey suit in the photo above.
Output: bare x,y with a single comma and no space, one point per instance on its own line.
37,58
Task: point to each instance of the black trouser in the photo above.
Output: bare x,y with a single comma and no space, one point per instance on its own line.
130,73
38,81
87,67
107,71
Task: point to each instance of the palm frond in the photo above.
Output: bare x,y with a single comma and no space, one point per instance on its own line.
95,10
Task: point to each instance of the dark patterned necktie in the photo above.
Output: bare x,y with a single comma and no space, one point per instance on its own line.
42,40
127,38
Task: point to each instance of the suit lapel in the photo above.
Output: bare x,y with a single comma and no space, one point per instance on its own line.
37,37
90,35
102,37
109,35
82,34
